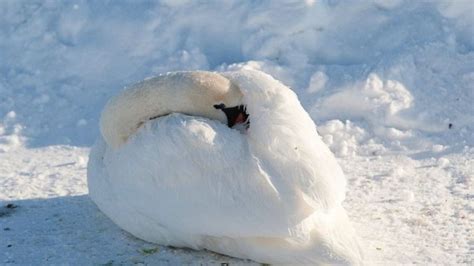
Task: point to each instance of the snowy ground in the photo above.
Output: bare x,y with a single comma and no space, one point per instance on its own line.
389,83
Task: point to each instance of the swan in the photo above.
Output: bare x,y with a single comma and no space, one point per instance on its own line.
229,162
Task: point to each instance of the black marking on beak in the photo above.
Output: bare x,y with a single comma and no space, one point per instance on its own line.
219,106
235,115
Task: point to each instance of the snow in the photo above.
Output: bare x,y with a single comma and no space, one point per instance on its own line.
389,84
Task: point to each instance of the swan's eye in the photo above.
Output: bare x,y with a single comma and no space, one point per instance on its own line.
219,106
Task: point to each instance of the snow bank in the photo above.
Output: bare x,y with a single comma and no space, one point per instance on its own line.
69,57
377,101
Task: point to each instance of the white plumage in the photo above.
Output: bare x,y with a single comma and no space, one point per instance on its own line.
271,193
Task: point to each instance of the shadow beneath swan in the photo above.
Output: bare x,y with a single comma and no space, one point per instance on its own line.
71,229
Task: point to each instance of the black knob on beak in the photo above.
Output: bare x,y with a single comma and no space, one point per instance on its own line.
219,106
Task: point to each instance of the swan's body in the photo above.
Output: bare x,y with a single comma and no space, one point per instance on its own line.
272,194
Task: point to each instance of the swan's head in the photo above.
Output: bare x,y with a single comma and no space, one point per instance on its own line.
214,96
196,93
235,115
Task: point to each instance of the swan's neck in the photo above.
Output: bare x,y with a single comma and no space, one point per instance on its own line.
191,93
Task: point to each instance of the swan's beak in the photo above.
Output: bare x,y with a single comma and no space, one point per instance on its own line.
235,115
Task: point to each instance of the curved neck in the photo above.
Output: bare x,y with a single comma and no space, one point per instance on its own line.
190,93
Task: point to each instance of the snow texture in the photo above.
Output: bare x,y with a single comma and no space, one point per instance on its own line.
389,84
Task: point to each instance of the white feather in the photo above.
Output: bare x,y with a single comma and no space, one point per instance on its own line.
272,194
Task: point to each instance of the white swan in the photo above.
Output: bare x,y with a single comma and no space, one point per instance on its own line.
271,193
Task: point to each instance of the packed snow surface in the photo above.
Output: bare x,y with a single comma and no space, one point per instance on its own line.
390,85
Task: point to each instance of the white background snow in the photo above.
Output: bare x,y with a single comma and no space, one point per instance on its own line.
390,85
